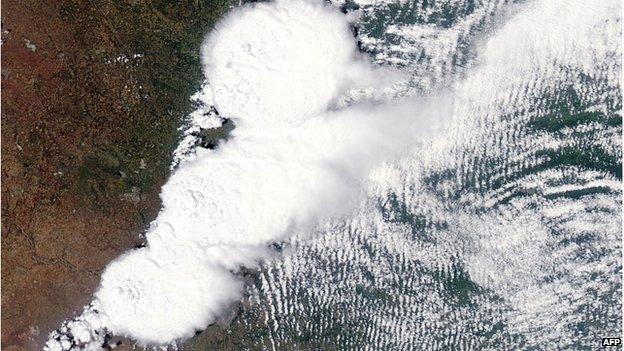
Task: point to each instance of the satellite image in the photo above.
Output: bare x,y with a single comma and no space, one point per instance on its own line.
311,175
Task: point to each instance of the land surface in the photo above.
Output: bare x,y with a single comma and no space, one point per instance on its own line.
92,97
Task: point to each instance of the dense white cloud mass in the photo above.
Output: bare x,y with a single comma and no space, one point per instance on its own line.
278,63
274,70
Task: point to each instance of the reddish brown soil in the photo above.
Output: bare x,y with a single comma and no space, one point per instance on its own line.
86,143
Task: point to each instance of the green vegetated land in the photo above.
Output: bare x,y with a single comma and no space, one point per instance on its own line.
161,42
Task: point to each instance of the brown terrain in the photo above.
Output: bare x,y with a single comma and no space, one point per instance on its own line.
92,95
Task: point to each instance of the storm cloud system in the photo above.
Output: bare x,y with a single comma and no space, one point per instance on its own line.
409,166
